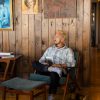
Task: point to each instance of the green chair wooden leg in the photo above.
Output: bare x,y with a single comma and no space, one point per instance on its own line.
31,96
4,94
45,94
17,96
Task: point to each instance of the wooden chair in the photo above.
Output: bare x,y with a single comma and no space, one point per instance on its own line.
64,81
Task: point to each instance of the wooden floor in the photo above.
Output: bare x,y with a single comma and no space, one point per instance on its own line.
92,92
95,67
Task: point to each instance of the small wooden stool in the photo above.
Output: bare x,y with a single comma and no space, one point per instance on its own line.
23,86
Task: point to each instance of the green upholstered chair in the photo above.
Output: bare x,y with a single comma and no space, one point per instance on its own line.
63,80
23,86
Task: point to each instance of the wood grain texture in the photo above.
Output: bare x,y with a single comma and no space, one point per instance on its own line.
18,26
72,33
45,31
38,28
45,36
1,41
58,24
25,35
99,25
86,40
5,41
79,27
65,28
12,46
31,37
52,30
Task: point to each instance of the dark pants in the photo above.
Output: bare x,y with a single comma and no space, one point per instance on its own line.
42,69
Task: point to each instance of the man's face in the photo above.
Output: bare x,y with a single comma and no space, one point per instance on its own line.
58,38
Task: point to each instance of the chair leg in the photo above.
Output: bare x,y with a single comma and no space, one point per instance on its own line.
4,94
17,96
65,91
45,94
65,88
31,95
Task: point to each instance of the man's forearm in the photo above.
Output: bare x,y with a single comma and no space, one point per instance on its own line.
60,65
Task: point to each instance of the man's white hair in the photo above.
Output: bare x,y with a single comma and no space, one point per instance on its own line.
63,33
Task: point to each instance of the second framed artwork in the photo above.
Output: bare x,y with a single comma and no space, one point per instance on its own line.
6,18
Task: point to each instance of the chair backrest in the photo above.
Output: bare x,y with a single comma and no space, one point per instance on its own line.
3,73
77,65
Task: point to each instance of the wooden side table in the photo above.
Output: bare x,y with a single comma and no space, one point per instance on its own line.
11,65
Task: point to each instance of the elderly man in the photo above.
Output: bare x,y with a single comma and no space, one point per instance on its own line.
54,59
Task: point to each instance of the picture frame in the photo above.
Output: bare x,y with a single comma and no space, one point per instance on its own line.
6,17
60,8
30,6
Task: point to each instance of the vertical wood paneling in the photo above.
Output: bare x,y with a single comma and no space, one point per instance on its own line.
1,45
25,35
79,28
45,31
5,41
12,47
79,31
31,37
52,30
99,25
38,29
58,24
18,26
65,27
12,36
97,22
72,33
45,37
25,44
86,40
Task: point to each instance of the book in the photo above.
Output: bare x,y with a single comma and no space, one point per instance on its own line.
7,56
5,53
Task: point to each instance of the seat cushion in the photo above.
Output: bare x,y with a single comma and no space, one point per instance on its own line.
38,77
21,84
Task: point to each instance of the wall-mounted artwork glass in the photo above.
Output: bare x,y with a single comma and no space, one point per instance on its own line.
31,6
59,8
6,20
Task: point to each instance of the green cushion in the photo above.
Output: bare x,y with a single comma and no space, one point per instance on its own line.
21,84
38,77
45,78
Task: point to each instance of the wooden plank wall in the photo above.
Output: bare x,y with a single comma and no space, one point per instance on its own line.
98,25
33,34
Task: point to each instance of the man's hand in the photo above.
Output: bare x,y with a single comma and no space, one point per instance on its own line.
45,63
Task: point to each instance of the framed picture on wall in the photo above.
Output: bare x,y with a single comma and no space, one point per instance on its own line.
60,8
6,20
31,6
